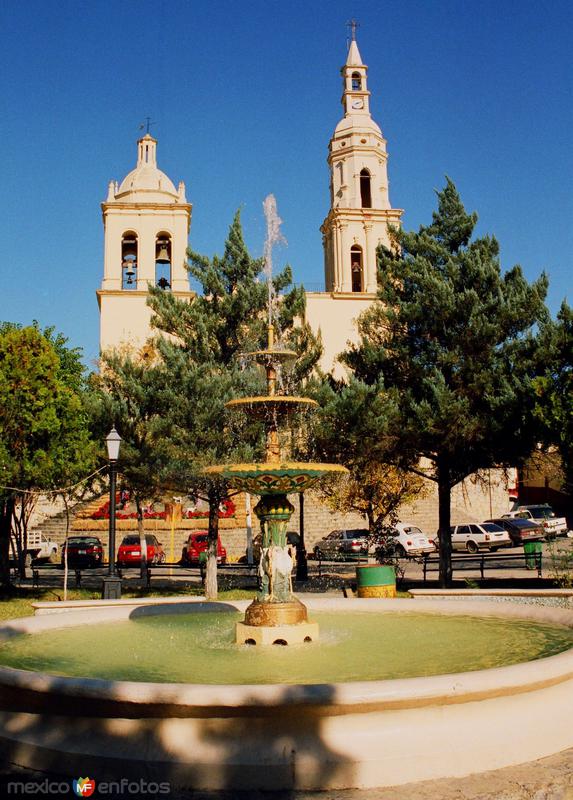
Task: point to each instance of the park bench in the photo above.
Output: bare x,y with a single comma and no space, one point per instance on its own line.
344,558
169,568
39,568
486,561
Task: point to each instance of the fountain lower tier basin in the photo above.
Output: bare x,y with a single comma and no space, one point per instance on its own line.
285,477
323,734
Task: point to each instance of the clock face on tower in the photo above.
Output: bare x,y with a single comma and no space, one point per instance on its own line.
357,103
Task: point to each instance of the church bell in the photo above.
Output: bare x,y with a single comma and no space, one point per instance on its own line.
129,247
163,254
129,270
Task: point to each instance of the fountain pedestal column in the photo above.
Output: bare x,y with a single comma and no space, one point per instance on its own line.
276,616
276,634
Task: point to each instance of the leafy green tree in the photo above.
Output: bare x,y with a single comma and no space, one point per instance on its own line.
44,437
450,346
132,392
204,357
351,415
554,389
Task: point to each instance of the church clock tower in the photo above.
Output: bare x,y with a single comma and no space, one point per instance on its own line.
360,210
146,226
357,221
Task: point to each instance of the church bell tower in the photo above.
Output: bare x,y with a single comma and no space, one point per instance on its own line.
360,210
146,226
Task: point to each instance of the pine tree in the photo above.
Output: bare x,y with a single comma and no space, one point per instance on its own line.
204,362
554,389
450,348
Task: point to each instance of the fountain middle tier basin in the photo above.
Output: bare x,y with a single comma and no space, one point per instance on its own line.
283,477
330,733
272,407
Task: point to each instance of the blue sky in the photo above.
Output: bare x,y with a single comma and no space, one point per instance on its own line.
244,97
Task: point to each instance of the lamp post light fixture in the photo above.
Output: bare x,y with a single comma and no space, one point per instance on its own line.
111,589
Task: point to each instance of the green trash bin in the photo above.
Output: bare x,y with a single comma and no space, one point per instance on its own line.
531,549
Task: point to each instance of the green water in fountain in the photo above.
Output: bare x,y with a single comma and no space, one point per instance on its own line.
199,648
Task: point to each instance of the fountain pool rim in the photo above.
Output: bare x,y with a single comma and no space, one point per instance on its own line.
363,726
407,692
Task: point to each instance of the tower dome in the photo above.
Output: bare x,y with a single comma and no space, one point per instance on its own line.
147,182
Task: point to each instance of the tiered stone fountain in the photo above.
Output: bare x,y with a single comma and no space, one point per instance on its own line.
276,616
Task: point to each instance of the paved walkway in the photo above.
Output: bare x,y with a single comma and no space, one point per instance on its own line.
547,779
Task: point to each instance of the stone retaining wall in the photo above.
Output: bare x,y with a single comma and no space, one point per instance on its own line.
471,501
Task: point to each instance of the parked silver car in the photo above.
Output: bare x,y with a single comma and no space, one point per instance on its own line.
341,543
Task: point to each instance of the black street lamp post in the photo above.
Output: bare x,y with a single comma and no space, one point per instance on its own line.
111,589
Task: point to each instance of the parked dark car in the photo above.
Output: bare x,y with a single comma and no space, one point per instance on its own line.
195,549
342,543
129,553
520,530
83,551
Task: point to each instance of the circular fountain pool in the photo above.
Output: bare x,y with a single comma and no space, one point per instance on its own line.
200,648
341,722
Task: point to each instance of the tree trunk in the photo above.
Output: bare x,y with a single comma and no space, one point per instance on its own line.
6,513
142,541
444,534
211,588
27,504
371,519
65,499
18,545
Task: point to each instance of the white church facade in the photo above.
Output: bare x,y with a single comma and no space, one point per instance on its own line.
147,221
146,228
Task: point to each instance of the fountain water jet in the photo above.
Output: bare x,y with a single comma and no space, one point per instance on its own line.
276,616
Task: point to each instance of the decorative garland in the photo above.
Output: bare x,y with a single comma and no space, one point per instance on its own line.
228,510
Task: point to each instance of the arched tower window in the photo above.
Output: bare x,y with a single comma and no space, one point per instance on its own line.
356,268
163,261
365,190
356,81
129,260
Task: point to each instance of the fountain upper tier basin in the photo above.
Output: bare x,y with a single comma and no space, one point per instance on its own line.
273,355
307,737
284,477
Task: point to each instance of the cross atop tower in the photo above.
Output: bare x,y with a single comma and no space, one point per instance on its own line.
352,25
147,125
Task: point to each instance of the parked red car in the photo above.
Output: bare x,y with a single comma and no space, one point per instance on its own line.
196,545
129,553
